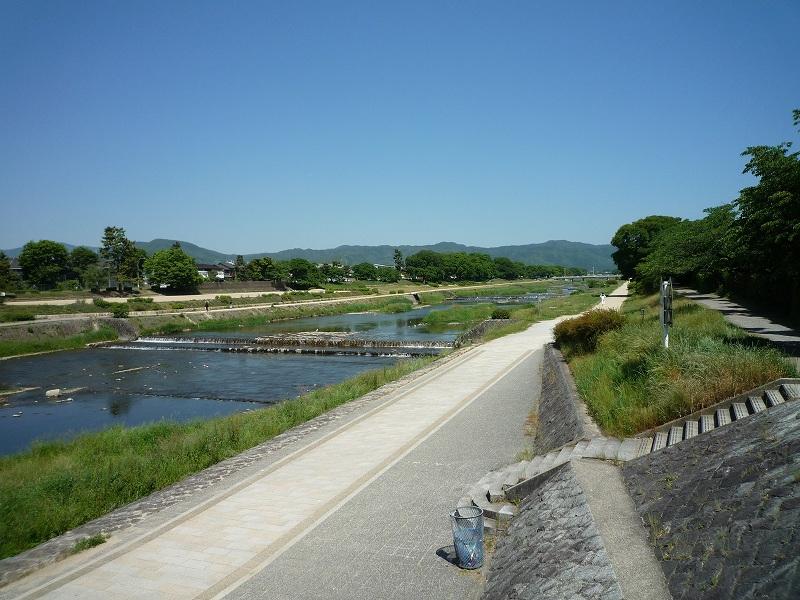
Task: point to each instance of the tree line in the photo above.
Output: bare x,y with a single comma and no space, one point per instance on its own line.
119,264
749,247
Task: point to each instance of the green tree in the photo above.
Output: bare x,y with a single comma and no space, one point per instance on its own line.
365,272
119,255
302,274
334,272
399,263
44,263
240,272
633,241
387,274
8,279
174,268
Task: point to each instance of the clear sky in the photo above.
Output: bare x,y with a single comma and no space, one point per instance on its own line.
260,126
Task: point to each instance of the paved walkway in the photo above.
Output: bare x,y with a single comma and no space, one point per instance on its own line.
785,338
228,542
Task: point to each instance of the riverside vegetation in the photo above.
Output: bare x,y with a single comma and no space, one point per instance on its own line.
56,486
631,383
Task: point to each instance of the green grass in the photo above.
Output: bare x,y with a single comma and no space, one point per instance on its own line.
56,486
462,314
48,344
631,383
89,542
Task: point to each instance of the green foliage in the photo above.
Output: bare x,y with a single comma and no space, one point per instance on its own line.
120,255
580,335
501,313
119,311
174,268
365,272
631,383
303,274
634,241
101,303
44,263
57,486
88,542
750,247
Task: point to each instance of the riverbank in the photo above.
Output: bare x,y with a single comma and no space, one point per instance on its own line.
57,486
630,383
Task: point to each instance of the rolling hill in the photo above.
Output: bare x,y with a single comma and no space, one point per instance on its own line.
554,252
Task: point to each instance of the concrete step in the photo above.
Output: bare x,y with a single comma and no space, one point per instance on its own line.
645,446
756,404
722,416
659,440
532,468
548,461
690,429
628,449
564,455
773,398
579,448
790,391
595,447
706,423
512,474
610,450
675,435
739,410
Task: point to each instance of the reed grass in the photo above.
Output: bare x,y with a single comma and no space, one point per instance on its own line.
632,383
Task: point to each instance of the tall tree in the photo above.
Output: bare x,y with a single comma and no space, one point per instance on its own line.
8,279
44,263
633,241
399,263
119,254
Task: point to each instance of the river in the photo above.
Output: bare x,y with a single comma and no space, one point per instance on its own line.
126,384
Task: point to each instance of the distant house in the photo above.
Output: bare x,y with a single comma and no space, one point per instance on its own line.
216,272
15,268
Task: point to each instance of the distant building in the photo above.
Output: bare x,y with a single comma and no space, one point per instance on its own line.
216,272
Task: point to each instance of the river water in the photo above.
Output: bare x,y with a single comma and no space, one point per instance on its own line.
130,385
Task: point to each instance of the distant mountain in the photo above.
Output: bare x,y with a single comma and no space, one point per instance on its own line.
554,252
201,255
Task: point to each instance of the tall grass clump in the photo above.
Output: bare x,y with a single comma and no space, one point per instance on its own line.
56,486
579,335
632,383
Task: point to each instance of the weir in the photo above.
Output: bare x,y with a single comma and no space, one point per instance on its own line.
303,343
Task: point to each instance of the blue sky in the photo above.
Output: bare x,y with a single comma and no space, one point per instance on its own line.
260,126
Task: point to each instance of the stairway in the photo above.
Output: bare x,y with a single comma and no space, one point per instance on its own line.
497,492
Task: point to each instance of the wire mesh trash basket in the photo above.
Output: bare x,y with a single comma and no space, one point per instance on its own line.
468,536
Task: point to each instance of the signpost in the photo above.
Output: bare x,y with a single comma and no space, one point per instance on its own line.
666,309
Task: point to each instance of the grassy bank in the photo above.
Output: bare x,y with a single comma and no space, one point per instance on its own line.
631,383
48,344
57,486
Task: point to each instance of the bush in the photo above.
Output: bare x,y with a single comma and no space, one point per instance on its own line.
579,335
20,316
140,300
501,313
100,303
224,299
119,311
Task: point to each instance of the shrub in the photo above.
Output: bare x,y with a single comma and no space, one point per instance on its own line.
579,335
21,316
224,299
501,313
100,303
140,300
119,311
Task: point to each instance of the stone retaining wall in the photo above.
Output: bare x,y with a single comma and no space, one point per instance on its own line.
562,413
552,549
723,508
58,329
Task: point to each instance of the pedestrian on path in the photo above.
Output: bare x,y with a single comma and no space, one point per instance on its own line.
206,305
602,299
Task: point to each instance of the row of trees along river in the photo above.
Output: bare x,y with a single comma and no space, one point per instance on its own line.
748,247
47,264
